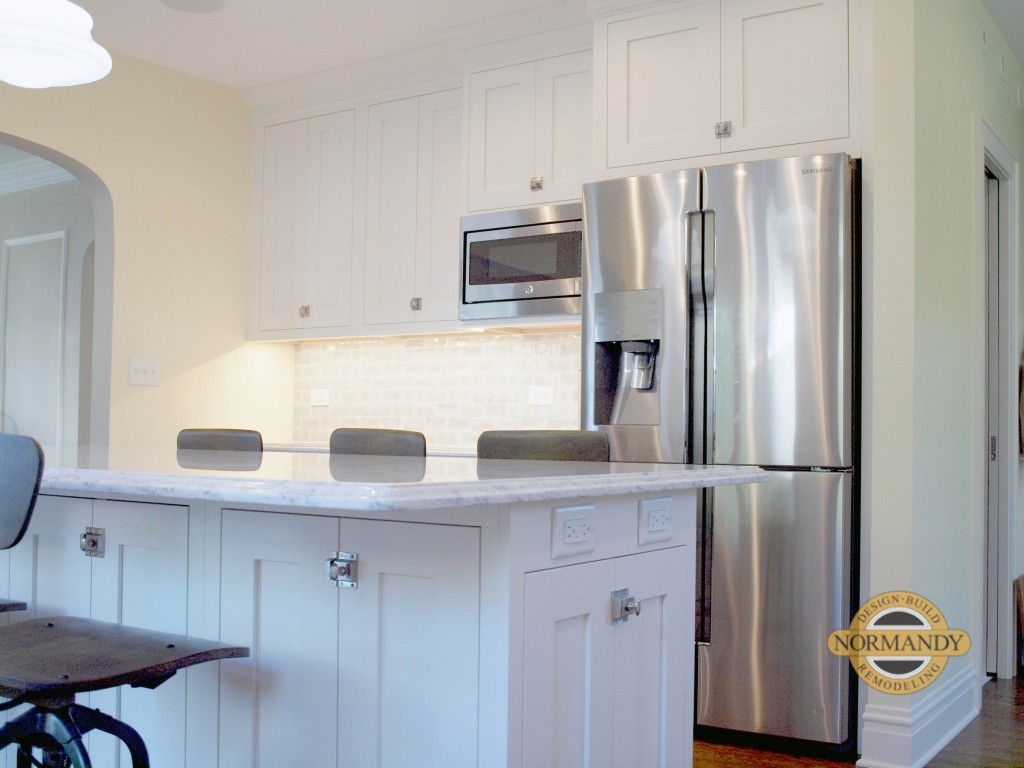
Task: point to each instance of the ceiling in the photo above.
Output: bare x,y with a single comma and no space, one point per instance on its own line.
1009,17
250,43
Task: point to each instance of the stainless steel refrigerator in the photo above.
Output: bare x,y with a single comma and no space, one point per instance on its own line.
719,328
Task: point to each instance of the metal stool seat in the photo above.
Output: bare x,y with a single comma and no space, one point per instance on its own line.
46,662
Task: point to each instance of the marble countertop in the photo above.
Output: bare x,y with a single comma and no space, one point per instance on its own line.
321,481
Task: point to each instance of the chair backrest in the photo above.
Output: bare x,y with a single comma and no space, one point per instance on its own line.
378,442
220,440
21,470
543,445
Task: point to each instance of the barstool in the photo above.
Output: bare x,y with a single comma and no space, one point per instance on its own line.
378,442
224,449
46,662
543,445
220,440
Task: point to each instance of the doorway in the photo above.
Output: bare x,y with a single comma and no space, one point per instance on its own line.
999,203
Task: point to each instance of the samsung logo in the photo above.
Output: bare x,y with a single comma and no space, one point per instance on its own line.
817,170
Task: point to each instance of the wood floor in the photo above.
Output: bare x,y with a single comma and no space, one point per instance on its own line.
995,739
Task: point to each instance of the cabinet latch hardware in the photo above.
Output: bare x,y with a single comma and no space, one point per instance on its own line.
723,129
623,605
536,183
342,569
91,542
304,310
416,303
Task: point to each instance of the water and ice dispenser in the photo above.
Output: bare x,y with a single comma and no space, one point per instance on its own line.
627,336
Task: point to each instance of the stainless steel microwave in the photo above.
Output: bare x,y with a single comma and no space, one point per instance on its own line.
522,262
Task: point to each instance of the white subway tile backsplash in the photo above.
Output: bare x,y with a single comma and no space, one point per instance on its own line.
451,388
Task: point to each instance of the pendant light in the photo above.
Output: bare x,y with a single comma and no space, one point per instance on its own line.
45,43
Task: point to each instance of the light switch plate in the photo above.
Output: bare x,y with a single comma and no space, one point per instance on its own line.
143,372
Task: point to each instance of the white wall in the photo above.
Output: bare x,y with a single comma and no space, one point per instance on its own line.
172,154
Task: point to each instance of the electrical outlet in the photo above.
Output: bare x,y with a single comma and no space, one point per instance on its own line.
541,395
572,531
654,521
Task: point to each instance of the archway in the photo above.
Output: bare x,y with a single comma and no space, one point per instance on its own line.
85,280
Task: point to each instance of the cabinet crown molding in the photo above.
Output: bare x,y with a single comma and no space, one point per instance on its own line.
411,73
597,9
549,30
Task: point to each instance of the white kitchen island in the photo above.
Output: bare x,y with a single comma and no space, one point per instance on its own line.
470,620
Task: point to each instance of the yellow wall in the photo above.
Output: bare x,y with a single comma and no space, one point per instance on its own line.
932,82
174,153
959,82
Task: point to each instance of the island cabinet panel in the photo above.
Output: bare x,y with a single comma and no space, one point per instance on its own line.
702,79
383,674
140,580
599,693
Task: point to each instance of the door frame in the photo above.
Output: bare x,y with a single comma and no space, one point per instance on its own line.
994,156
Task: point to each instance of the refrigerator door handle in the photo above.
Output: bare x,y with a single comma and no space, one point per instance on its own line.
693,254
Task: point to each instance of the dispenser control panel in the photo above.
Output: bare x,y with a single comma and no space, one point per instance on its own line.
627,315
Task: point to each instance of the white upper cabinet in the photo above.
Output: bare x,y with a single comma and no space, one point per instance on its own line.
412,209
785,72
530,131
305,249
663,85
722,76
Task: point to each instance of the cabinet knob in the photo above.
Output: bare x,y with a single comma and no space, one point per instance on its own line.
304,310
623,604
723,129
416,303
536,183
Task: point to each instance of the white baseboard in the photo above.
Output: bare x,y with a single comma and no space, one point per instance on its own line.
908,737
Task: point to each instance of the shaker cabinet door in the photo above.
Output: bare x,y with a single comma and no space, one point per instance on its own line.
784,72
412,209
663,86
280,705
603,694
383,674
306,219
502,104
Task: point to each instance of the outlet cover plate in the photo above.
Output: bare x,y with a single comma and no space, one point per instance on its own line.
572,531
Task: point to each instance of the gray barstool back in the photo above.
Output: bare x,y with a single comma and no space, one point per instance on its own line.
378,442
46,662
220,440
543,445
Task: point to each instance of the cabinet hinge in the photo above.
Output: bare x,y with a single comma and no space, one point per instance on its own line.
91,542
343,569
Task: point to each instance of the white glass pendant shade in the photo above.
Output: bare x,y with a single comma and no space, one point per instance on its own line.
45,43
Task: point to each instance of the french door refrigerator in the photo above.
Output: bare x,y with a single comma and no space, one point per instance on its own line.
719,328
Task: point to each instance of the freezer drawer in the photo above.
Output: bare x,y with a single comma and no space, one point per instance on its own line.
780,584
